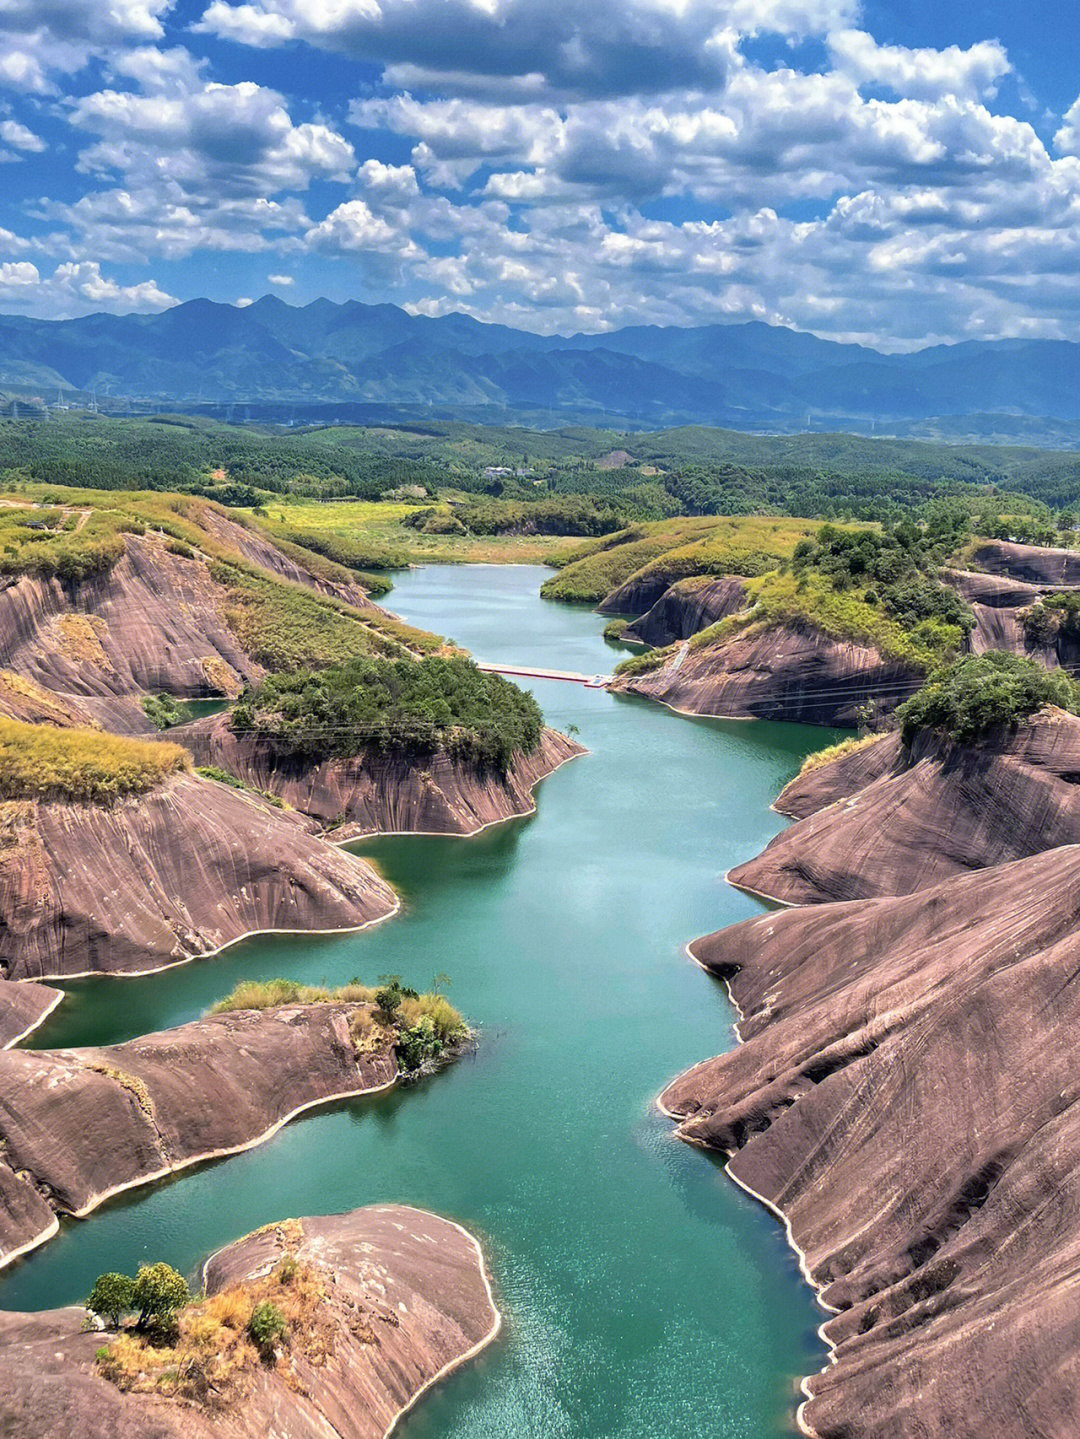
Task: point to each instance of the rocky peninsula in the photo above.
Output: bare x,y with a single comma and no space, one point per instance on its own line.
163,876
905,1099
379,791
385,1301
891,816
80,1125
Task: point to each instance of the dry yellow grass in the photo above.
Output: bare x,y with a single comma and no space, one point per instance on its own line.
211,1359
838,751
38,704
40,761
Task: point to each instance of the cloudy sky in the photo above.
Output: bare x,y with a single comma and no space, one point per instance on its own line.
893,171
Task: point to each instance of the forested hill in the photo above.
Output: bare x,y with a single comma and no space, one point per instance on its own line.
360,363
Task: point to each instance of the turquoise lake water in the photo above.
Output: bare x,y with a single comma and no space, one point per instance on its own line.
645,1296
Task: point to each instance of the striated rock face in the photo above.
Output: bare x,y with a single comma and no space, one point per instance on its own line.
996,602
153,623
407,1298
381,793
263,552
79,1125
177,873
635,596
687,607
1034,564
907,1098
889,820
22,1008
781,673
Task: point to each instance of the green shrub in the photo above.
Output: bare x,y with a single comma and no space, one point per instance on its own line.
417,1044
222,776
981,692
163,711
267,1327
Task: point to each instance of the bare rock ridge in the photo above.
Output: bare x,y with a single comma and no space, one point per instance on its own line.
887,819
906,1098
178,872
1034,564
687,607
23,1007
381,792
790,672
79,1125
406,1300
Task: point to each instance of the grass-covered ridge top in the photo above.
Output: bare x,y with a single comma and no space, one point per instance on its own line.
40,761
877,587
980,693
73,535
670,550
406,705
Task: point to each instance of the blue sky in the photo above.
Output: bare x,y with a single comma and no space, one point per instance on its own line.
887,171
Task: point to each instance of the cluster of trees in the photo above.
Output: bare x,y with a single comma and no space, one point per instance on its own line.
157,1294
895,567
413,706
223,462
584,515
982,692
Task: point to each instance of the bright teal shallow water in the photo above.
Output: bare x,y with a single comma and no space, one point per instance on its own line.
645,1296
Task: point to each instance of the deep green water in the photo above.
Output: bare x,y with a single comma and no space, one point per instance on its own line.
645,1296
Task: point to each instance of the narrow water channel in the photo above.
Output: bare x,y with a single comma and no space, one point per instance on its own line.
645,1296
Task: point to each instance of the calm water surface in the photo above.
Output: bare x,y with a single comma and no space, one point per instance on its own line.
645,1296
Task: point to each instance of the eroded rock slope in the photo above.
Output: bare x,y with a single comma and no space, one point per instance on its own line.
78,1125
382,791
173,874
889,818
906,1096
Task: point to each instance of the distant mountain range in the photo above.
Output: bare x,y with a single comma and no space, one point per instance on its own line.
354,362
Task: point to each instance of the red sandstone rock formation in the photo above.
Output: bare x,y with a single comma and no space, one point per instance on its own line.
176,873
77,1125
22,1008
907,1098
687,607
785,672
888,819
408,1299
1034,564
381,792
154,623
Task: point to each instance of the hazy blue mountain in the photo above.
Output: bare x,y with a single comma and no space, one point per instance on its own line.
749,376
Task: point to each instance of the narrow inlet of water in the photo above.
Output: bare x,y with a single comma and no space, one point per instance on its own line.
645,1296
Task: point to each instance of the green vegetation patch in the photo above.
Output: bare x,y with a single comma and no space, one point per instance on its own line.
43,762
407,705
420,1027
48,542
982,692
286,627
660,554
1054,617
